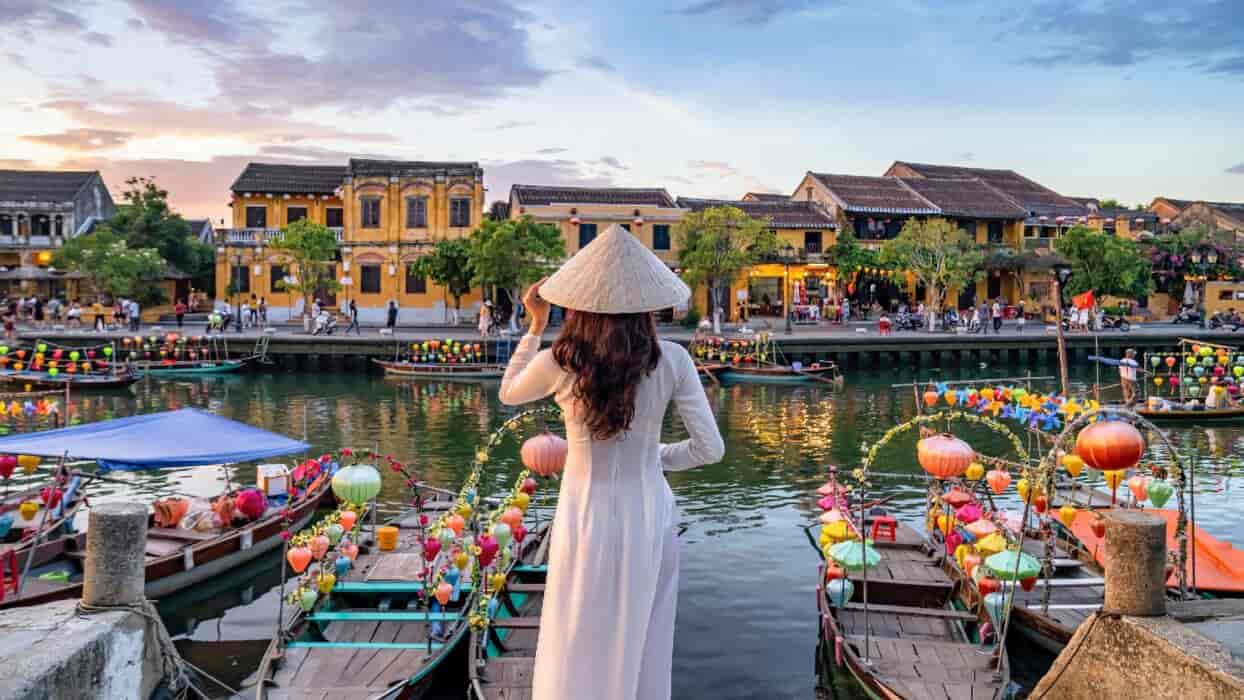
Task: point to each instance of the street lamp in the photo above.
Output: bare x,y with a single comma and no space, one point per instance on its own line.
788,255
1062,275
237,310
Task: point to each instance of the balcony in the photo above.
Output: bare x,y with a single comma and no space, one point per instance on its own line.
7,241
262,236
1031,244
801,256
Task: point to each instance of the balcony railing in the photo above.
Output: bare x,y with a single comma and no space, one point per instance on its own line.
31,242
801,256
263,236
1031,244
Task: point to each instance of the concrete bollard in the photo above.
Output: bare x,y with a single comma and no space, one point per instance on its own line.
1135,563
116,543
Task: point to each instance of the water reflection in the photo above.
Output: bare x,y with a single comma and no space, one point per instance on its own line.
747,623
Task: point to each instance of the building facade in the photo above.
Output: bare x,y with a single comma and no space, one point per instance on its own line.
39,211
1182,213
386,214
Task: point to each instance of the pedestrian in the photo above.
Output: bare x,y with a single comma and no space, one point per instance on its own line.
997,316
1127,376
38,312
254,311
179,310
135,314
610,627
97,310
846,310
74,315
485,319
119,315
983,315
354,319
263,311
244,315
391,320
10,322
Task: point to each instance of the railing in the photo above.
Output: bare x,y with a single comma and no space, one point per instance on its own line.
258,236
1031,244
801,256
31,242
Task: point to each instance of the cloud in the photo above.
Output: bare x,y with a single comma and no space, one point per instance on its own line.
1118,33
196,188
1237,169
746,11
316,154
42,14
595,63
612,162
364,54
98,39
967,156
551,151
82,139
511,124
715,167
16,164
153,118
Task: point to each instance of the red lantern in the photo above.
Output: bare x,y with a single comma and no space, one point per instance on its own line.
1110,445
944,456
930,398
988,585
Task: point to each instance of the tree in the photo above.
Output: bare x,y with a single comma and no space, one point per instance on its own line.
513,253
1104,264
1109,203
112,267
448,265
312,248
849,257
145,220
939,254
717,244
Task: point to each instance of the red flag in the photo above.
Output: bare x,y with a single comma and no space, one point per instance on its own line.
1084,301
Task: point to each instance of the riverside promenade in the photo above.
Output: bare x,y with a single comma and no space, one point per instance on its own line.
858,344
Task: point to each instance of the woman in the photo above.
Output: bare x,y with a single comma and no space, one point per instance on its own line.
485,319
390,321
607,626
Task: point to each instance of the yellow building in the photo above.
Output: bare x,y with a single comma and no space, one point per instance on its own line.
385,213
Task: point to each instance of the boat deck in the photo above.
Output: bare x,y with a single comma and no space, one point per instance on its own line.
1076,591
511,647
364,652
910,641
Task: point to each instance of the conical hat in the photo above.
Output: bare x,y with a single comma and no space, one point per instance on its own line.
615,274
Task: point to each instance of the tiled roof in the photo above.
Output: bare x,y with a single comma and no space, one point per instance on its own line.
1086,201
282,178
782,213
966,198
42,185
1234,210
1037,199
412,168
875,195
766,197
544,195
1124,213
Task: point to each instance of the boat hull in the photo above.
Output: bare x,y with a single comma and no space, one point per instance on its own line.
1225,414
193,370
40,380
780,375
451,373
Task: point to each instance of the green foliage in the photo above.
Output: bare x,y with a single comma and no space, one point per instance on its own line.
1109,203
312,248
145,220
940,255
692,320
448,265
849,256
514,253
718,243
1104,263
112,267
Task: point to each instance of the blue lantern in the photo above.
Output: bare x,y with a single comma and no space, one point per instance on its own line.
840,591
342,565
996,605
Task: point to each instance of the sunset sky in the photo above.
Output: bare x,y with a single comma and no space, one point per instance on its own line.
702,97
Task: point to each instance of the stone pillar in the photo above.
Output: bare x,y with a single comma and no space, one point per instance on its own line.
116,541
1135,563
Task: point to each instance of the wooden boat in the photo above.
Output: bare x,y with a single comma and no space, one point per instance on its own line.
773,373
466,371
374,641
709,370
76,382
502,655
176,557
911,641
1235,413
187,368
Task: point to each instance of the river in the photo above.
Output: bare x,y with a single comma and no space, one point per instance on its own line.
746,623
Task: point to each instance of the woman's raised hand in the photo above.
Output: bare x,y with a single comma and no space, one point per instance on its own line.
537,307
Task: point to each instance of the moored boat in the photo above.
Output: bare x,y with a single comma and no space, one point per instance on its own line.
464,371
187,368
783,374
1234,413
120,379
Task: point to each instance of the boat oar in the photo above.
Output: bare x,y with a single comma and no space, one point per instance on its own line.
700,366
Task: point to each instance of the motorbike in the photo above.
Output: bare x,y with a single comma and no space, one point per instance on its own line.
1115,322
325,324
1222,320
1187,314
908,322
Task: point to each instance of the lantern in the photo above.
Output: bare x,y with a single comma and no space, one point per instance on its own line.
1073,464
1110,445
487,549
1067,514
975,471
1160,491
325,582
307,599
545,454
28,463
840,591
358,483
1113,478
930,398
298,558
998,480
319,546
28,509
1139,486
347,519
944,456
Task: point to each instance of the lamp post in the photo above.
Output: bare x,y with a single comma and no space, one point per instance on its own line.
788,255
1062,274
1203,259
237,309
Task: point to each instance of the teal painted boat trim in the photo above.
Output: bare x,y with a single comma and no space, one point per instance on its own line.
363,645
761,379
395,616
383,587
216,368
528,569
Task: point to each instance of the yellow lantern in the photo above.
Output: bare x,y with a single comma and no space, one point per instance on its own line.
1073,464
496,581
28,463
460,560
975,472
326,582
991,544
1113,478
28,509
521,501
1067,514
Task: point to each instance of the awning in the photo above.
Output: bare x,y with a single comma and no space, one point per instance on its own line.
183,438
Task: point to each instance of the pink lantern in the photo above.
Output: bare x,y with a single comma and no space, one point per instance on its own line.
443,592
319,546
455,522
431,547
544,454
512,517
969,513
487,549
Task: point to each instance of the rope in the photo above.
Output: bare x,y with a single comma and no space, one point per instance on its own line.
171,662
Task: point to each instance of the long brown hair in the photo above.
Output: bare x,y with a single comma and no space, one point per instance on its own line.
608,355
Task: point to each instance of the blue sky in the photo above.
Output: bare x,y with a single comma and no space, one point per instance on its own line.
704,97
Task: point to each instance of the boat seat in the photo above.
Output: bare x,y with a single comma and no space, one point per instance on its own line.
913,611
180,533
525,587
383,616
529,623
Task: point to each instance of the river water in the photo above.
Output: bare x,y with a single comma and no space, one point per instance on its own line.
746,623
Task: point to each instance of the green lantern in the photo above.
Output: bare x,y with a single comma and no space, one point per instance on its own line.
42,347
107,351
1160,491
358,483
1012,565
854,556
74,355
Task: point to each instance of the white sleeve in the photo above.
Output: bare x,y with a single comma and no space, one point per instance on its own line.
531,375
704,446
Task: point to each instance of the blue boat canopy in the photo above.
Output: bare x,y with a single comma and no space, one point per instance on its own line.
184,438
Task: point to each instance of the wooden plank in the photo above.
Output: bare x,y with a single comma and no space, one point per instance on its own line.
382,616
1077,582
397,566
364,645
385,587
912,611
516,623
525,587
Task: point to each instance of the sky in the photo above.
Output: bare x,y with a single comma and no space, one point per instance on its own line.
712,98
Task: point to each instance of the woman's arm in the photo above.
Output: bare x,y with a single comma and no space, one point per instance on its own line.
531,375
704,446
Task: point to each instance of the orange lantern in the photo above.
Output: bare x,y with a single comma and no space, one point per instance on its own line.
298,558
930,398
998,480
546,454
944,456
1110,445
